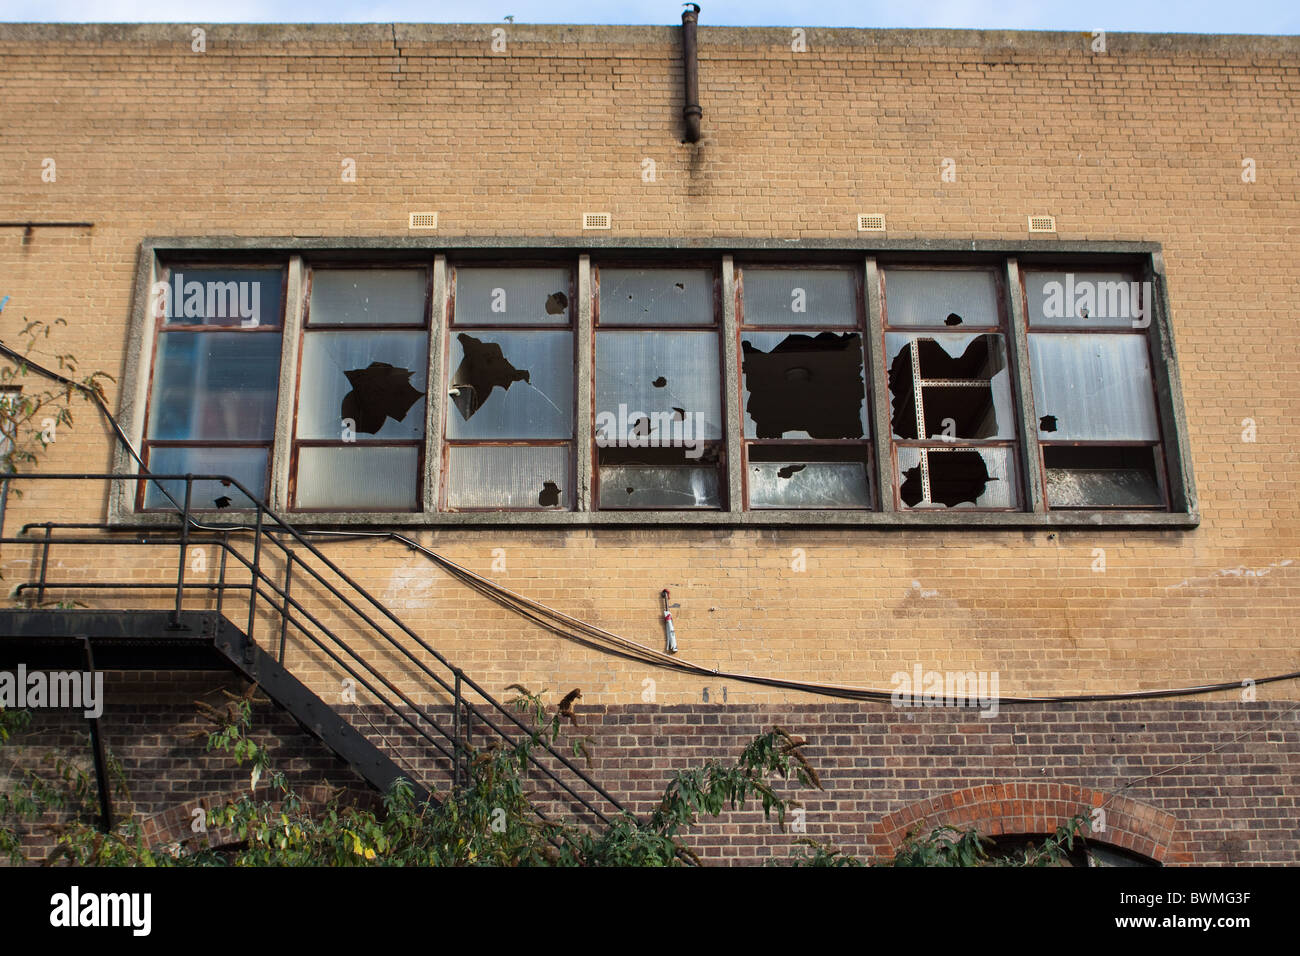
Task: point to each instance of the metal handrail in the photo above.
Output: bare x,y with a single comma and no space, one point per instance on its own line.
262,585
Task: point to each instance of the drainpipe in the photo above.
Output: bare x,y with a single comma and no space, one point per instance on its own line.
692,112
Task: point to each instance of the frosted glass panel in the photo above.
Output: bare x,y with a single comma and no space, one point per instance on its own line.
1097,299
941,297
800,297
656,296
511,385
1093,387
368,296
240,298
495,476
215,386
657,386
512,296
357,476
245,465
964,382
803,385
958,478
643,486
808,484
363,376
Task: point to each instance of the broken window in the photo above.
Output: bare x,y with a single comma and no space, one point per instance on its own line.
1094,391
655,296
658,395
360,424
510,398
804,389
950,402
518,296
216,375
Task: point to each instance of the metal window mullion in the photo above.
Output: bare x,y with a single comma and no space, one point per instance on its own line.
731,409
1169,393
436,389
1023,394
584,421
874,368
282,447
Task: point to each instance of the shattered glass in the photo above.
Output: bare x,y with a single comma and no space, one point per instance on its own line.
941,297
803,385
525,296
511,385
1093,387
659,377
804,483
509,476
957,477
656,296
964,384
1101,477
375,379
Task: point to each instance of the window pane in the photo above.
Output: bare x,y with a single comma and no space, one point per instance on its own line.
649,486
941,297
803,385
657,389
368,296
512,296
801,483
357,476
957,478
224,297
511,385
374,379
245,465
1093,387
1097,299
495,476
1092,477
215,386
656,296
800,296
964,383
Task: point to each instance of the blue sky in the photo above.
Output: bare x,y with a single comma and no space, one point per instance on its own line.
1201,16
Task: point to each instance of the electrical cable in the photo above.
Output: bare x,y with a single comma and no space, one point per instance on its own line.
607,642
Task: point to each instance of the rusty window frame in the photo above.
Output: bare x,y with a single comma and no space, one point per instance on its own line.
305,328
451,325
858,327
716,447
167,268
1158,446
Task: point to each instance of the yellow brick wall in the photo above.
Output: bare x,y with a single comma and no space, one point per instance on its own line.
1144,142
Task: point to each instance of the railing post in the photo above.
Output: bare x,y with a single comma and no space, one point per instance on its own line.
284,611
45,561
455,732
185,547
221,574
254,575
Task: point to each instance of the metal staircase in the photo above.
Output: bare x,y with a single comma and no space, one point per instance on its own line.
284,592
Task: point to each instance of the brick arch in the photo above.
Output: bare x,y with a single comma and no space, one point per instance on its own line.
1032,807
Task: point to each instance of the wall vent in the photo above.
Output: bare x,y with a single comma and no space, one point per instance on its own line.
871,223
424,220
1042,224
596,220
